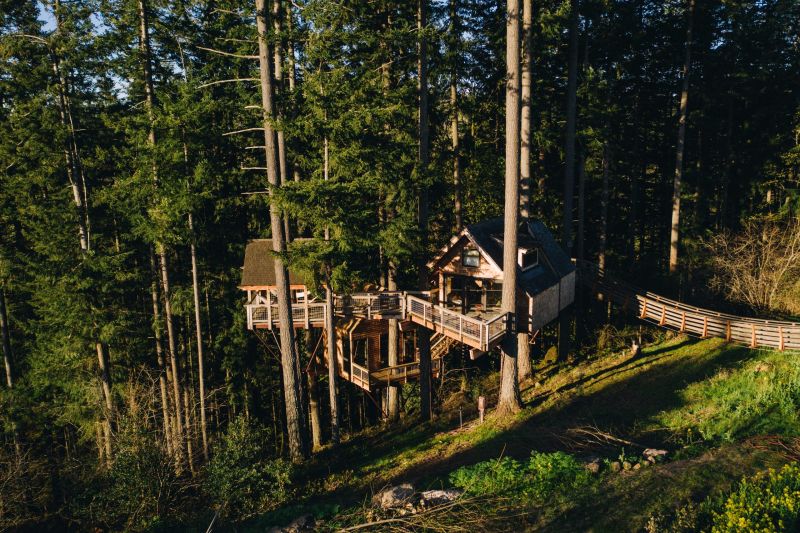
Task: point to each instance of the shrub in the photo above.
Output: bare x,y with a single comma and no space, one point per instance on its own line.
141,491
554,474
544,476
767,502
241,478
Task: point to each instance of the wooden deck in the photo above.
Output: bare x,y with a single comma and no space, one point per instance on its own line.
480,333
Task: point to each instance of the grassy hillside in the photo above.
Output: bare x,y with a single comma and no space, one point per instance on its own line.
705,402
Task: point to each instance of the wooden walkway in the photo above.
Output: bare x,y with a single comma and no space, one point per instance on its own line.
695,321
483,334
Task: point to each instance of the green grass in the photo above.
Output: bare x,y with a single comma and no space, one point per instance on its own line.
758,396
721,392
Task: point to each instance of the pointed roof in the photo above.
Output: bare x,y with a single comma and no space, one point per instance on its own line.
259,265
487,236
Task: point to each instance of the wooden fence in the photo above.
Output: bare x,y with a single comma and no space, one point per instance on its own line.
695,321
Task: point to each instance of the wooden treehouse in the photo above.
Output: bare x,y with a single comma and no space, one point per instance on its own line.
463,305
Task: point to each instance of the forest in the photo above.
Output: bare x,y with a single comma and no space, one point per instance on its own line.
145,143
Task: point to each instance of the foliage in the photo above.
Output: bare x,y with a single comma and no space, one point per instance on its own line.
760,265
241,478
766,502
544,476
141,490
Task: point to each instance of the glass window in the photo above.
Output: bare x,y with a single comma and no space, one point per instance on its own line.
471,258
529,259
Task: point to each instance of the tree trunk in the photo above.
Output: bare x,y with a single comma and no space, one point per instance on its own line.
313,391
298,446
105,382
144,47
393,393
564,322
509,400
199,333
455,38
601,254
526,119
6,338
197,320
581,206
169,437
674,236
569,149
333,373
423,334
75,173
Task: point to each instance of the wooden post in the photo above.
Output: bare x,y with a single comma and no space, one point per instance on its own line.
663,315
728,331
644,310
269,309
683,321
753,340
780,338
305,304
705,327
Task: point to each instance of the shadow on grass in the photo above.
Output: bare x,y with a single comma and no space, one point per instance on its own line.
620,397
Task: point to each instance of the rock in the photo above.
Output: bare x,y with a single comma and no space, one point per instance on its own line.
593,466
301,524
637,466
626,465
653,455
394,497
615,466
430,498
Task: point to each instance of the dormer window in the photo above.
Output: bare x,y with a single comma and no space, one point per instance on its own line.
528,259
470,258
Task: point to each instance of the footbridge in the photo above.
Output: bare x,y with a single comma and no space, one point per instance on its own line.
694,321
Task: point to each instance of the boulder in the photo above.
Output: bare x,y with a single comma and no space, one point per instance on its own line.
615,466
395,497
626,465
431,498
653,455
593,466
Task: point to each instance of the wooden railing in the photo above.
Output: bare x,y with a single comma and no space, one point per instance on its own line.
359,375
404,372
473,331
371,304
696,321
261,313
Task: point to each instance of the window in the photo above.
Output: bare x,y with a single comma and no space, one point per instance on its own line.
528,258
471,258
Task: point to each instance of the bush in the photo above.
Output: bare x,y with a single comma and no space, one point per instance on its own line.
241,479
544,476
768,502
141,491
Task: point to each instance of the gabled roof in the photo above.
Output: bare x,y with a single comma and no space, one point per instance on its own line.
259,265
487,235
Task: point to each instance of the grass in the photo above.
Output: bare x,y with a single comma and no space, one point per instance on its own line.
592,407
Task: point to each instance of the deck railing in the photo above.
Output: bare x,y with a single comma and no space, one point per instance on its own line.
260,313
753,332
359,375
477,332
367,305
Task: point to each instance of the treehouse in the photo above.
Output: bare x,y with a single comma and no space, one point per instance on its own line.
467,274
462,307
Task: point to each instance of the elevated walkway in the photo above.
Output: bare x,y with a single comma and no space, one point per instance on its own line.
695,321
